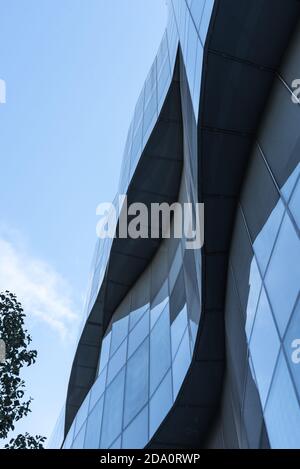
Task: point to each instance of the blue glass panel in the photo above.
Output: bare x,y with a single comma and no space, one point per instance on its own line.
98,387
295,204
136,315
191,54
136,394
264,346
288,186
105,346
160,403
69,438
157,310
292,345
136,147
82,414
117,361
193,330
254,291
116,444
79,440
160,349
138,334
135,436
163,83
92,436
178,328
197,82
264,242
197,7
181,363
282,278
113,410
209,4
282,414
119,332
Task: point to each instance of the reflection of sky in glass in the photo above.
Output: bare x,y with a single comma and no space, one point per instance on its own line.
147,351
273,317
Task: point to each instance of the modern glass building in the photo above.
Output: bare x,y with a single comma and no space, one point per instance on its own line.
194,348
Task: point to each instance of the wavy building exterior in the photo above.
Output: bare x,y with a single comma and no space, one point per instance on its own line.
189,348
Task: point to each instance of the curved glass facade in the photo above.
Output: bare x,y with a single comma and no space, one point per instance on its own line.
150,348
262,404
145,355
147,348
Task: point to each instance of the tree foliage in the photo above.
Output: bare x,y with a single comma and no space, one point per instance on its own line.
26,442
13,404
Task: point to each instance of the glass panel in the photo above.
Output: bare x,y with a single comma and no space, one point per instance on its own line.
98,388
78,442
288,187
92,437
157,310
197,83
197,11
119,332
178,328
160,403
254,291
264,346
136,147
206,19
264,242
292,345
282,415
175,267
117,361
69,438
191,54
160,349
82,414
295,204
136,394
116,444
113,410
193,330
136,315
181,363
163,83
282,279
104,351
150,115
136,434
138,334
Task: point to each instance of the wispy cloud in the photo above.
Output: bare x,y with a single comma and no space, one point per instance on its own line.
43,292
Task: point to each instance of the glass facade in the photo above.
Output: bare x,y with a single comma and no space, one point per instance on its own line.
145,354
150,344
147,348
263,285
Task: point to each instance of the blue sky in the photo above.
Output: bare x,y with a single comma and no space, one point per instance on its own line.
73,71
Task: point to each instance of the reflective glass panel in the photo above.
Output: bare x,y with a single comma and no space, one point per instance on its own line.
282,278
136,394
160,403
160,349
282,414
135,436
264,346
113,410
